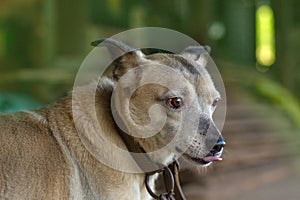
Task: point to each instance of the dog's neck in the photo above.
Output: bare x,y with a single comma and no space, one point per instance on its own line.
91,112
93,117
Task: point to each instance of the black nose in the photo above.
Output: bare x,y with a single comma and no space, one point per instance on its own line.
218,146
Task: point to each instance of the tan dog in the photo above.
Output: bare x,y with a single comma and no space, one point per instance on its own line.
42,155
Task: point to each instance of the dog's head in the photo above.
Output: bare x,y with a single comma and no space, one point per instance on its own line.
163,96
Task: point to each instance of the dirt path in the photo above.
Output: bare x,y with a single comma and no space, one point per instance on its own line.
285,189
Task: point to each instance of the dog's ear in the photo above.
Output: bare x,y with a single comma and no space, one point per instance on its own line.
124,57
199,54
115,47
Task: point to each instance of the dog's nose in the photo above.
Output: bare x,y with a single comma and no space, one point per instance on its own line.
218,146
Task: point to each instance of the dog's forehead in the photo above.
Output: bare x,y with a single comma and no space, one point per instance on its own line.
195,74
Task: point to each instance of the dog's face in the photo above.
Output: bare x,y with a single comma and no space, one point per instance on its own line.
178,94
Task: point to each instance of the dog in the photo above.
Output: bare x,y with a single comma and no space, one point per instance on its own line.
43,153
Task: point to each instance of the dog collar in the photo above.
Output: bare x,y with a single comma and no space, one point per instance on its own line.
170,174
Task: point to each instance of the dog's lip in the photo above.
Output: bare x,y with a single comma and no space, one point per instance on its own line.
212,159
209,158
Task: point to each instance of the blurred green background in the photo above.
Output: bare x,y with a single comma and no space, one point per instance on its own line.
42,43
255,44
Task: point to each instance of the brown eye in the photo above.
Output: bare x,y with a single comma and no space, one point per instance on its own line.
215,102
174,103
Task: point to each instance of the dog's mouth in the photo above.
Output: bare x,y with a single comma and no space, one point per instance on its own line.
209,158
213,156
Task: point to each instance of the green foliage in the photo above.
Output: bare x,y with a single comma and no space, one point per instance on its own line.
278,95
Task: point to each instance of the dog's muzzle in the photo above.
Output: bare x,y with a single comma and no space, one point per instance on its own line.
214,154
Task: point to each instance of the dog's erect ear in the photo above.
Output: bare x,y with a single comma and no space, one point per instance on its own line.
123,56
198,53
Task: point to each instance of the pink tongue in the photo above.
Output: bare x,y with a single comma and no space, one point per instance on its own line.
212,159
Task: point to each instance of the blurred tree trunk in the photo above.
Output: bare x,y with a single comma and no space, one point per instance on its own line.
71,24
64,29
199,17
49,33
287,51
239,19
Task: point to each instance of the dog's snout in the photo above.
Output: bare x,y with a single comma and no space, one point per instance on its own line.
204,125
219,145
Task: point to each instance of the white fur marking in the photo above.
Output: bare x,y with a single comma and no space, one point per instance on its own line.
38,117
76,189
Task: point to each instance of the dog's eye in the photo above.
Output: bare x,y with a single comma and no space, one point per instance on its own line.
175,102
215,102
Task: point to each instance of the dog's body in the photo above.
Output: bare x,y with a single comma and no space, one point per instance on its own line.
42,155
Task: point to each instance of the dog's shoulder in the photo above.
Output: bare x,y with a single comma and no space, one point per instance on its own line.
25,136
29,155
